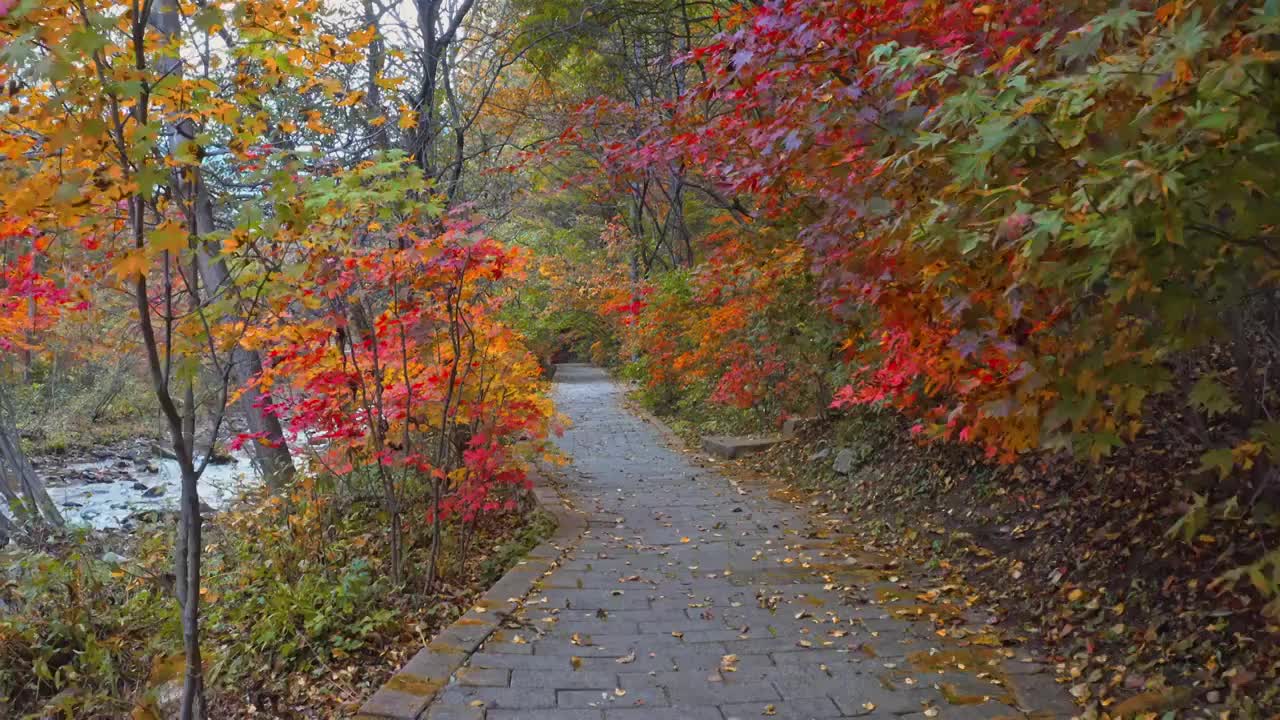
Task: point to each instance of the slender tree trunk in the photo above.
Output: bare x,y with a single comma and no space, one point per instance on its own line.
7,529
442,449
15,462
11,490
193,704
376,62
186,190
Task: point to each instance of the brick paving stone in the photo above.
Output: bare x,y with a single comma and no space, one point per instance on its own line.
679,569
524,662
868,695
605,699
792,709
450,712
483,677
512,698
564,679
557,714
685,712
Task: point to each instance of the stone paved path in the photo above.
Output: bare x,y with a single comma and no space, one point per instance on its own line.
691,598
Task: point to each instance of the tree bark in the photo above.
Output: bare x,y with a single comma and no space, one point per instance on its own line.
435,43
186,189
15,464
273,458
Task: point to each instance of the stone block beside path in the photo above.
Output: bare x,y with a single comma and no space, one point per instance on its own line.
730,447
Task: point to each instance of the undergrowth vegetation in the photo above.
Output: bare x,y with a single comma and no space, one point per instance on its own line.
300,610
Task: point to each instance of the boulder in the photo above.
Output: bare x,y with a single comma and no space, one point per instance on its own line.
163,701
792,425
844,461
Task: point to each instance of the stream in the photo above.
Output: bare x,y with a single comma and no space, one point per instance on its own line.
108,487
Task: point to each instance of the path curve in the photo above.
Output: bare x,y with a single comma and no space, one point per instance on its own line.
694,598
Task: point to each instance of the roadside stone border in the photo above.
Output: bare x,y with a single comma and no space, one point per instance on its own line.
672,437
408,693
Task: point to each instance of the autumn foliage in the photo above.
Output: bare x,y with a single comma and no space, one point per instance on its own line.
1021,215
1027,226
189,169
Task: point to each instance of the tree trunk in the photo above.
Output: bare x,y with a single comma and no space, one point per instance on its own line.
15,464
186,186
7,529
272,456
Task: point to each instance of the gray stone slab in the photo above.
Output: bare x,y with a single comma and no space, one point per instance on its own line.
482,677
696,688
684,712
791,709
524,662
452,712
564,680
869,696
730,447
605,699
557,714
520,698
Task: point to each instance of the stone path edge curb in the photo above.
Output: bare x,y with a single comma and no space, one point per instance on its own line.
408,693
634,407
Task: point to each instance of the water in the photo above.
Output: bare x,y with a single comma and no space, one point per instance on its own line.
107,505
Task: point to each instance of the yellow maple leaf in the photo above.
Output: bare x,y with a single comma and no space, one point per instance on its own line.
170,236
131,265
